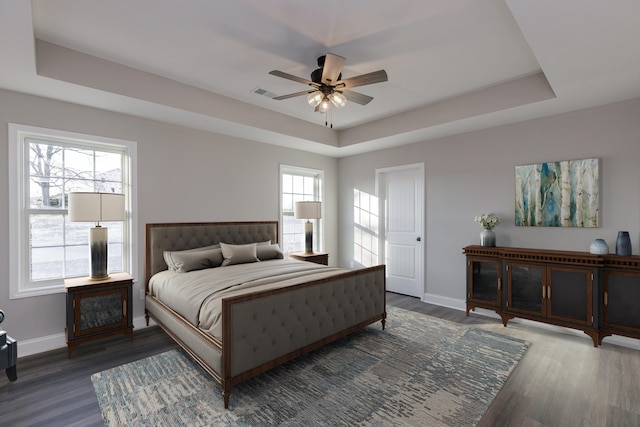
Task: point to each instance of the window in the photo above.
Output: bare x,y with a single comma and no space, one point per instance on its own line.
366,230
46,166
299,184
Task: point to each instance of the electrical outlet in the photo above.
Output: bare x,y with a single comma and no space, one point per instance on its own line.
142,294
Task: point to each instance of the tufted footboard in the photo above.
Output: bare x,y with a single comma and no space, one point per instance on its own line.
263,330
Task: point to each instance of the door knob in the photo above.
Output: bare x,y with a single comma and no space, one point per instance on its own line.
419,239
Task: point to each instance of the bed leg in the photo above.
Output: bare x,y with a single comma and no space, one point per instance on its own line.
146,318
384,322
225,397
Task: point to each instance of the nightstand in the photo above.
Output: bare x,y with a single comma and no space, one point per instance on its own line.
317,257
98,308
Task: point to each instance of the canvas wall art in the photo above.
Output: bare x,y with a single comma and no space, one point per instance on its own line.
558,194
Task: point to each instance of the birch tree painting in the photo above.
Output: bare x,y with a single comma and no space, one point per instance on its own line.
558,194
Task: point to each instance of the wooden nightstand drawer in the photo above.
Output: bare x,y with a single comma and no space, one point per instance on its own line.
317,257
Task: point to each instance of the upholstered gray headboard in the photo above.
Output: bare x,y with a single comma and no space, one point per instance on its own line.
180,236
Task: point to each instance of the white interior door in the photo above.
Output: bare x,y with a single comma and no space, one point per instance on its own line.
402,196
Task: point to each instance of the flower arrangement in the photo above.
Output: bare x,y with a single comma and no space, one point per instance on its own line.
487,220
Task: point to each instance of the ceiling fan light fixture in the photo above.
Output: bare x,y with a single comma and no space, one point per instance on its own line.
338,99
324,105
315,98
328,86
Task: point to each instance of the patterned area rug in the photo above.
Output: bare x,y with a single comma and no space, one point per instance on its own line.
419,371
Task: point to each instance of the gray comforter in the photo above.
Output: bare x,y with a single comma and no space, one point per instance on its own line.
197,295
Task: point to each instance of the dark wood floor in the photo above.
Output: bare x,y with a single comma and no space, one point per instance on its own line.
561,381
53,390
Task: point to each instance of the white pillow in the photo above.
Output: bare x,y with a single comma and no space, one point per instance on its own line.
238,254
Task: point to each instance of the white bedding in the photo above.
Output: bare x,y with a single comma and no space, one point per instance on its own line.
197,295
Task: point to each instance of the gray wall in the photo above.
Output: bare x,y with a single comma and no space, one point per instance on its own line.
183,175
464,176
468,174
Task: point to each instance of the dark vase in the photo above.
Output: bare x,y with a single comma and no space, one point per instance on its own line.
623,244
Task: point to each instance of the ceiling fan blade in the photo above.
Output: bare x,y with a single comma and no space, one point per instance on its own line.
293,95
292,77
332,68
356,97
363,79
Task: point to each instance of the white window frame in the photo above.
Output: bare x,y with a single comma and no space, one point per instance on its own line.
318,229
20,286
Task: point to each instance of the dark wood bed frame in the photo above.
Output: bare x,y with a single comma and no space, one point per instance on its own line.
354,299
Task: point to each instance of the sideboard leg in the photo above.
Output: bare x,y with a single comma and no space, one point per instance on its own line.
594,336
505,317
602,335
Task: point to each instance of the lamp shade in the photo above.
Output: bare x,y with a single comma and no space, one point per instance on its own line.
308,210
96,207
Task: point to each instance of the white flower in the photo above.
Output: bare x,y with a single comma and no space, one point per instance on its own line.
487,220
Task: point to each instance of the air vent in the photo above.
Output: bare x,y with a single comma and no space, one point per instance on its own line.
263,92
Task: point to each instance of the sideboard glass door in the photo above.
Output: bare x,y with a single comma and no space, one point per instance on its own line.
485,281
525,288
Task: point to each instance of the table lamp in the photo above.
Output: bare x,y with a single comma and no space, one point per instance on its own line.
308,211
97,207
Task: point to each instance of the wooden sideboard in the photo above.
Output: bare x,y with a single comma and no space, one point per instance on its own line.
597,294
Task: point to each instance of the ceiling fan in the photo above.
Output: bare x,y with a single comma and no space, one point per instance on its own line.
327,86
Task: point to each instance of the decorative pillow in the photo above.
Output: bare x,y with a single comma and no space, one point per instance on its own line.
265,252
238,254
168,255
190,260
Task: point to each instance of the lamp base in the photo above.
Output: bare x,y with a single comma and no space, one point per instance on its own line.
98,244
308,237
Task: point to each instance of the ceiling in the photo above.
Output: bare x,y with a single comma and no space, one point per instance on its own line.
454,66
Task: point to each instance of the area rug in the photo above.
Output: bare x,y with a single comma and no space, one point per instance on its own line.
421,370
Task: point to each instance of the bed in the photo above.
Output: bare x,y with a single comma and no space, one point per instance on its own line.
250,315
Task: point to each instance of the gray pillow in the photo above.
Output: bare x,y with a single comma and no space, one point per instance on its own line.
265,252
238,254
190,260
168,255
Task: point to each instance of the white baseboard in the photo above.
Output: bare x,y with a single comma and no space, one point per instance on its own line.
40,345
622,341
454,303
56,341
